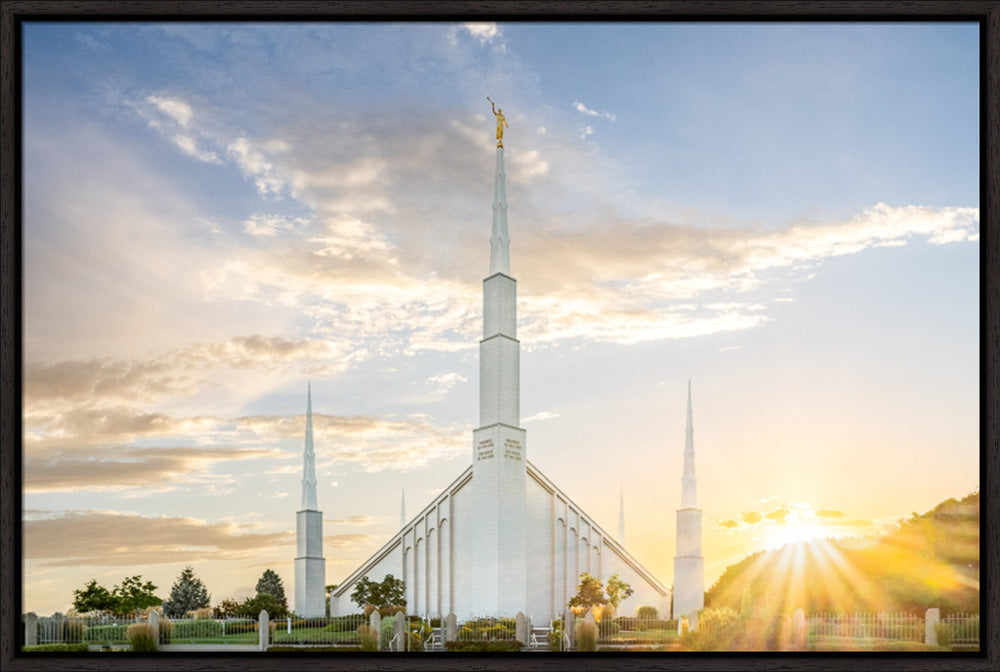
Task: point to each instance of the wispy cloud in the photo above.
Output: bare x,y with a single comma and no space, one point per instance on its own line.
106,538
583,109
542,415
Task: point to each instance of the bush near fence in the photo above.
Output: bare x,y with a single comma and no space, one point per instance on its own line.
105,633
488,629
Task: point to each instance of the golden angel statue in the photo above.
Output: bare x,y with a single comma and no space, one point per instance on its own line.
501,122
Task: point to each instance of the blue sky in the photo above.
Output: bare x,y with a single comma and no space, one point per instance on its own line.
214,214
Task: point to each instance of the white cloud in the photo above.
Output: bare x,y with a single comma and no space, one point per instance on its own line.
189,147
253,163
443,382
583,109
177,110
484,31
271,225
543,415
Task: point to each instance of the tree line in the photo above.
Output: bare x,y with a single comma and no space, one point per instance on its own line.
188,595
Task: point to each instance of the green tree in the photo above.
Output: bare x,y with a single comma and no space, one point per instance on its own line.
93,597
134,595
386,593
187,594
589,592
618,591
270,584
252,606
226,609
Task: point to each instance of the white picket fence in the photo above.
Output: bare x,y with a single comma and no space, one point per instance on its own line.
964,628
907,627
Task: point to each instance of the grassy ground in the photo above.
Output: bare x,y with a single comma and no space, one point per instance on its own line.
851,644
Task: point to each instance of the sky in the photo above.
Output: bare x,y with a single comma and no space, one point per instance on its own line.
216,215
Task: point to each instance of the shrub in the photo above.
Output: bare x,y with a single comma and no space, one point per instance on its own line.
392,610
657,624
386,631
202,614
627,623
368,637
341,623
141,637
166,630
226,609
945,633
105,633
319,622
419,632
647,612
556,636
369,608
196,629
55,648
506,645
73,631
718,630
586,636
488,628
239,626
608,628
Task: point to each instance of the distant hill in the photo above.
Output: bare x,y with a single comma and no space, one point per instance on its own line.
931,560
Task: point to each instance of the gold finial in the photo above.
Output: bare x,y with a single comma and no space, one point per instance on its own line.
501,122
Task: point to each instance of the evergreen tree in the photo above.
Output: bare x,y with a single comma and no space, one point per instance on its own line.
187,594
270,584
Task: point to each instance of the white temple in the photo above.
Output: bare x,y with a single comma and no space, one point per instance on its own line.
689,564
502,538
310,565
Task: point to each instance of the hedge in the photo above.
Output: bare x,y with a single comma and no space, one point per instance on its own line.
106,633
55,648
313,649
197,629
502,645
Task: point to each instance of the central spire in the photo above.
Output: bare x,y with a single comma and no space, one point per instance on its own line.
689,498
309,461
499,239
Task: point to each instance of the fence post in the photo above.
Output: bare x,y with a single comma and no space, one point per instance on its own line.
153,618
375,622
263,630
451,627
519,628
399,627
799,629
30,629
569,627
931,619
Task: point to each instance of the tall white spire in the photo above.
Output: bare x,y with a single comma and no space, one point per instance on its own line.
621,514
499,475
309,461
689,564
310,565
499,239
689,499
